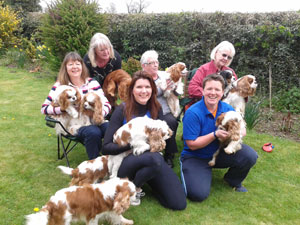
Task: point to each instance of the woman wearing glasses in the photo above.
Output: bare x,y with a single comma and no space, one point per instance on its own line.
221,57
150,64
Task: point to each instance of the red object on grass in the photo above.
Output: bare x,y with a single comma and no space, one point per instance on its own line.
268,147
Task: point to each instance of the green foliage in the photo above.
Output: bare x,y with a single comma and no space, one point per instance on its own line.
287,101
15,57
252,114
25,6
131,66
69,25
9,24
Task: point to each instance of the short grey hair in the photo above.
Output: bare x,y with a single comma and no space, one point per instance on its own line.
99,40
147,55
223,45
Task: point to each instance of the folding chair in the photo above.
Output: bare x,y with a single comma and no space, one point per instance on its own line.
66,143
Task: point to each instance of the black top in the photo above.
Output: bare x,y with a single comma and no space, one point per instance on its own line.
100,73
116,121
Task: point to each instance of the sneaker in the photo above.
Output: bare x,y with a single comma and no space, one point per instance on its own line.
240,189
135,202
139,195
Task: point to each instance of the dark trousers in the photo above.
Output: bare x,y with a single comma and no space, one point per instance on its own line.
171,146
196,174
151,168
92,136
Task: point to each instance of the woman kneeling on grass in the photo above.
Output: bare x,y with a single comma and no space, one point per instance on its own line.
148,167
201,142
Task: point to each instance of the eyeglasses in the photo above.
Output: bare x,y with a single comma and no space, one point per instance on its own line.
152,63
226,56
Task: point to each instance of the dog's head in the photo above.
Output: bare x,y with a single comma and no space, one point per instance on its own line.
91,105
246,85
125,193
69,97
177,71
227,76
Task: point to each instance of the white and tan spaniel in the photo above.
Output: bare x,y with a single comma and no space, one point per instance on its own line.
88,172
234,124
89,203
142,133
173,74
116,84
68,99
241,89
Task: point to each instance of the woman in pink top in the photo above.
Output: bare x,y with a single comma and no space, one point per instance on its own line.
221,57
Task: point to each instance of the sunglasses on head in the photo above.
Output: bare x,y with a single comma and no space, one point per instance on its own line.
226,56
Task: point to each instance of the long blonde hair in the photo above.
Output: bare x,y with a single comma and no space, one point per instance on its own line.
99,40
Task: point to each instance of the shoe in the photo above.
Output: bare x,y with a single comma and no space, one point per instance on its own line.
169,159
135,202
139,195
240,189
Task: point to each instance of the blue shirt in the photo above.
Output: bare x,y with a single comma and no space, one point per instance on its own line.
198,121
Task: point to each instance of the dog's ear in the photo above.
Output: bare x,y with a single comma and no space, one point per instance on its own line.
83,99
97,116
121,200
63,100
78,96
220,119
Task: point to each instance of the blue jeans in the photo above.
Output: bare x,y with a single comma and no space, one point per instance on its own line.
92,136
196,174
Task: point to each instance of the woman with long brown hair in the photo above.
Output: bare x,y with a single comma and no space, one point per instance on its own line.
148,167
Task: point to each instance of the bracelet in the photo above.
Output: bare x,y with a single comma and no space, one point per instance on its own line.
215,134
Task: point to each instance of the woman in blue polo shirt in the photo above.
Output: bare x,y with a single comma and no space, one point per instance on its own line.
201,141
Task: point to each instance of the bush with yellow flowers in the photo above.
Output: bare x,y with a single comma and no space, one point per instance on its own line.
9,24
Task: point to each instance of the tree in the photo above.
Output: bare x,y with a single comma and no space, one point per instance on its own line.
68,25
24,6
137,6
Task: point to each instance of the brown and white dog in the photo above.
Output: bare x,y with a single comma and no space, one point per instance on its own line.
173,74
116,83
241,89
88,172
142,133
91,105
234,124
89,203
68,99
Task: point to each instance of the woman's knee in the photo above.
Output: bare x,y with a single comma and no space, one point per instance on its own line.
250,155
197,195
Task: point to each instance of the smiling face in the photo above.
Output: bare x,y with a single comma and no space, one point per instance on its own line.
102,52
151,67
212,93
142,91
74,69
223,57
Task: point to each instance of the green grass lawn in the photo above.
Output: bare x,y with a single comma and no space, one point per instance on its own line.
29,175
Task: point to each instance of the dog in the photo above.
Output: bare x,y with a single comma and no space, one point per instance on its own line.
142,133
229,79
241,89
88,172
68,99
116,83
234,124
173,74
89,203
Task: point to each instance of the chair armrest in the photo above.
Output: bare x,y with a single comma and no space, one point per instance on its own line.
50,122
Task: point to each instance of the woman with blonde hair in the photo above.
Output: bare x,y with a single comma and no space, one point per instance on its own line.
101,58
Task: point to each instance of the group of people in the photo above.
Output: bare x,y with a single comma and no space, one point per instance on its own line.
146,99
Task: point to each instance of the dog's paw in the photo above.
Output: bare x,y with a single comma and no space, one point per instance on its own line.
212,162
229,150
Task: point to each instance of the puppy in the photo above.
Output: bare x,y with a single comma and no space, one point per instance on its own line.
142,133
68,99
88,172
89,203
242,88
174,74
229,79
116,83
234,124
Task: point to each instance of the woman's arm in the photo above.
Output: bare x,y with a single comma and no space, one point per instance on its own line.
47,107
116,121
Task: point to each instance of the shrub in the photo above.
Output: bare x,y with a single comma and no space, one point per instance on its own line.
252,114
9,24
287,101
131,66
69,25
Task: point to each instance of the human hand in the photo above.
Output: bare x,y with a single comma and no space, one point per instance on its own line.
222,135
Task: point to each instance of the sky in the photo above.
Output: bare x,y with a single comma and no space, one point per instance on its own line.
164,6
161,6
